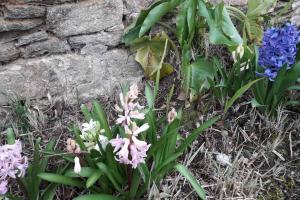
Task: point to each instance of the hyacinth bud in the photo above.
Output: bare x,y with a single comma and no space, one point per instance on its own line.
90,130
77,166
238,52
133,92
118,109
72,146
172,115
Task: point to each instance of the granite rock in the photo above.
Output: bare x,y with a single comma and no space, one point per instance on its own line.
33,37
19,25
48,47
70,76
23,11
84,17
8,52
106,38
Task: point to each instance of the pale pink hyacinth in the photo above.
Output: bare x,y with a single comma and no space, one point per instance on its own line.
3,187
130,109
131,150
12,163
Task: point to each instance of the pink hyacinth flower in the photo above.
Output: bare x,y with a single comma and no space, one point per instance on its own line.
3,187
12,163
138,151
130,109
131,151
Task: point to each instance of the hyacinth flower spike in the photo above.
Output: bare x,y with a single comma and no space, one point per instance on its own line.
130,109
279,48
12,164
131,150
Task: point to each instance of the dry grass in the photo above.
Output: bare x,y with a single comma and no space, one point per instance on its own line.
264,160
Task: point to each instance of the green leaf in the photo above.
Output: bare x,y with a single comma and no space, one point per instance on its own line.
239,93
187,174
290,78
259,7
191,16
156,14
201,71
132,32
149,96
294,87
149,56
181,24
185,68
166,162
292,103
255,103
229,29
221,28
96,197
101,116
108,173
10,136
49,192
136,180
86,113
93,178
60,179
85,172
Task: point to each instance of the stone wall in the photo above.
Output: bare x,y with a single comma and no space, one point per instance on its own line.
67,48
296,13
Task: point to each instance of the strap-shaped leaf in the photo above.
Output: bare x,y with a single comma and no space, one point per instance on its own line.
109,175
60,179
100,115
187,174
156,14
93,178
239,93
96,197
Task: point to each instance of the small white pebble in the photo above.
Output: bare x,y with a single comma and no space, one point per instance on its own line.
223,159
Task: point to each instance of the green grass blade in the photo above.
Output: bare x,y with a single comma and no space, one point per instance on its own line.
96,197
187,174
239,93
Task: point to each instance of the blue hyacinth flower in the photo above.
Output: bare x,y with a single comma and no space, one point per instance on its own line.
279,48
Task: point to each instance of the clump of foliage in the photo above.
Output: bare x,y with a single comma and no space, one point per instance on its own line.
138,150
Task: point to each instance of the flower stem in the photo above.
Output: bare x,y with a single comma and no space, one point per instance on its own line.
129,174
